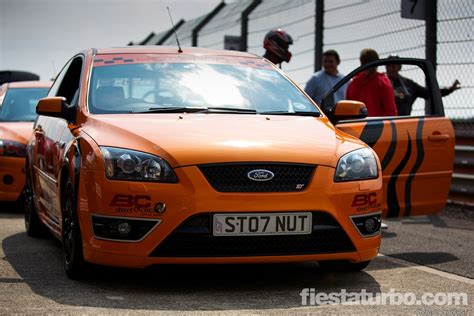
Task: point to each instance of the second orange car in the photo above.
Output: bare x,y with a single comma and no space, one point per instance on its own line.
17,113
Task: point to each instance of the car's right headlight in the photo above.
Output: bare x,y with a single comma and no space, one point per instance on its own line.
359,164
132,165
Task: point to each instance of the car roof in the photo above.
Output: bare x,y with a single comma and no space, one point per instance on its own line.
190,51
30,84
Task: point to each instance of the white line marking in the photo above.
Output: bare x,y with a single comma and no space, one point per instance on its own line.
464,148
447,275
463,176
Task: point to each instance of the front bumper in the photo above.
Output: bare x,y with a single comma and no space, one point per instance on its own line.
194,195
12,178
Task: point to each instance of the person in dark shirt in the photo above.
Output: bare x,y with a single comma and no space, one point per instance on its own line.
406,90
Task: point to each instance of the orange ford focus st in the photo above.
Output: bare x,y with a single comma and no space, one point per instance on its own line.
144,156
17,113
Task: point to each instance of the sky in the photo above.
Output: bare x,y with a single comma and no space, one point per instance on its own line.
41,35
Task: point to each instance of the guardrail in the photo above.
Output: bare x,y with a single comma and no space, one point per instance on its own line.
462,185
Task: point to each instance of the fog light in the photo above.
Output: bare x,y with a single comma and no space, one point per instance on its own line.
369,225
160,207
8,179
123,228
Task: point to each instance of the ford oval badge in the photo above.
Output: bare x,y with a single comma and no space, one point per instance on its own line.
260,175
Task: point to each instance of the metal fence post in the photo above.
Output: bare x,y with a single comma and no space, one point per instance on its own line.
206,20
244,27
431,8
318,34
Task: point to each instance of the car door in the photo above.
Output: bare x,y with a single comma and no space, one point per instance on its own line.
416,151
59,130
48,134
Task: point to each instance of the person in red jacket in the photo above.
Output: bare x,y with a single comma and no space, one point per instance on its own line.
373,88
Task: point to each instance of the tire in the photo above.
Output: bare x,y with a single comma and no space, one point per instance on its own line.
341,265
33,225
74,264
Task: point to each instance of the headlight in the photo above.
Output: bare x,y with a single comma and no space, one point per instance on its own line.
359,164
12,149
125,164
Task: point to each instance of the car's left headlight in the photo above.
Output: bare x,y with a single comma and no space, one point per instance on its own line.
359,164
132,165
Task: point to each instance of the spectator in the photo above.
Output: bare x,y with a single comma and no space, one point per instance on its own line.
276,44
406,90
372,88
325,79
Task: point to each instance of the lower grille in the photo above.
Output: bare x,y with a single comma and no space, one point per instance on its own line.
194,239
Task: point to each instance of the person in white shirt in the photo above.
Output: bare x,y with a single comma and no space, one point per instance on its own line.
325,79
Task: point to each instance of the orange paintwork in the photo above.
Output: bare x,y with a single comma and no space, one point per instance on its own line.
348,108
426,192
52,105
185,141
19,132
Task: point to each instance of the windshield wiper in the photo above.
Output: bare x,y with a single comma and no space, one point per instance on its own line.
302,113
216,109
203,109
172,109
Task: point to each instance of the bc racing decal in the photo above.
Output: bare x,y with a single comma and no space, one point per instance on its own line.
123,203
365,202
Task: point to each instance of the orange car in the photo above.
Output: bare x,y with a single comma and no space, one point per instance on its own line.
17,113
204,156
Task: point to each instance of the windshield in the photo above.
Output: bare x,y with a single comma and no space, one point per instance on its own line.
19,104
183,86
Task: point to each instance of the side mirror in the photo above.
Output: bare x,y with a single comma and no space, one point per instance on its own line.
55,107
348,109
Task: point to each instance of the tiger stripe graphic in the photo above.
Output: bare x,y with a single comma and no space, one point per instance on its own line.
385,138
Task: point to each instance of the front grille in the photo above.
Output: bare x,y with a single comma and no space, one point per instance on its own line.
231,177
194,238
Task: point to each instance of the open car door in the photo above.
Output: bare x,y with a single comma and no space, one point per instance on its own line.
416,151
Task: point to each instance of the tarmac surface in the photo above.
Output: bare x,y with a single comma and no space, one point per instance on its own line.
428,254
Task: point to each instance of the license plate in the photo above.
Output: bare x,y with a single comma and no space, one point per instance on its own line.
259,224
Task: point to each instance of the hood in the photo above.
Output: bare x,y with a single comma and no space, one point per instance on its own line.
16,131
189,139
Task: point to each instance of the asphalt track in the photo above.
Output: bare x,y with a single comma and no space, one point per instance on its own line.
421,254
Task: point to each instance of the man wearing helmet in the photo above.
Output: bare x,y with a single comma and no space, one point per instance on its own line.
276,44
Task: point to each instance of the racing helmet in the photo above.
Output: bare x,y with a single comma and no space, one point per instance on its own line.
277,41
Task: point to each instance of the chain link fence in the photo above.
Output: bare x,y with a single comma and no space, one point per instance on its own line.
349,26
455,60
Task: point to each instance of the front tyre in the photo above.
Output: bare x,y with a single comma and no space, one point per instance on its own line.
33,225
74,263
